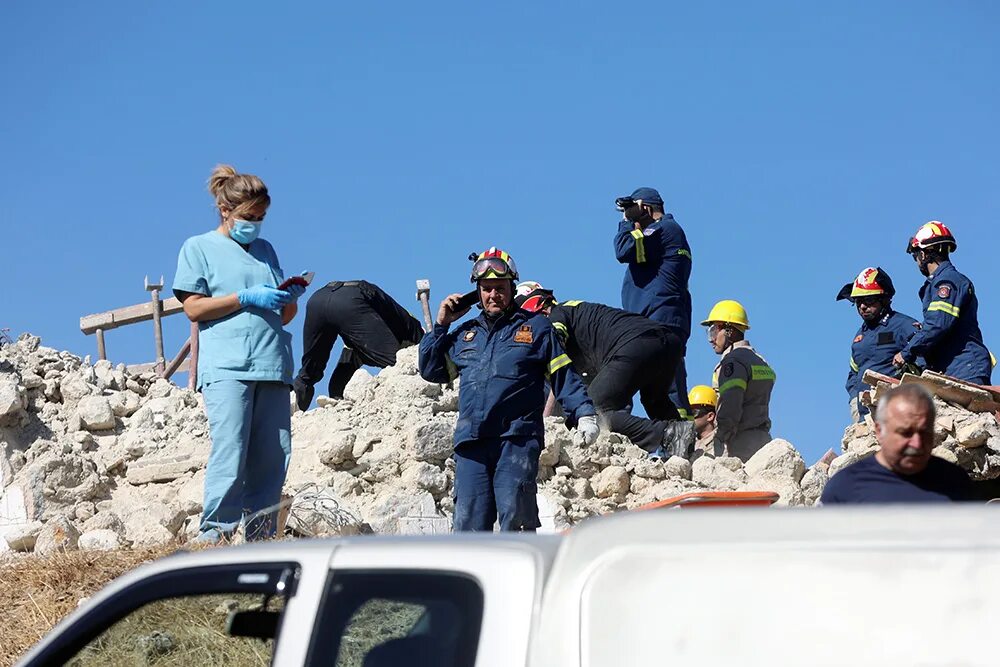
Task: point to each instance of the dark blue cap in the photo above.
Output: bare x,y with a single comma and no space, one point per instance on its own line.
648,196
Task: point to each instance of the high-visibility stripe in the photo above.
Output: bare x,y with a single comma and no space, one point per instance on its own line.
854,365
682,251
735,382
762,373
944,307
640,246
561,330
572,303
559,362
993,360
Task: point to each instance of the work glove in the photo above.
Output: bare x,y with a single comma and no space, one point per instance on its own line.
262,296
588,430
296,291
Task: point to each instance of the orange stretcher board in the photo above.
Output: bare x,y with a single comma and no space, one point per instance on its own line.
714,499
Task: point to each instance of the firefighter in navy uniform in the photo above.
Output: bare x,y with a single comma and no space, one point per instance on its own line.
744,381
659,265
949,339
884,332
620,353
506,358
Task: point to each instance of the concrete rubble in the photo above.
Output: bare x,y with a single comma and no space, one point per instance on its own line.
966,430
95,457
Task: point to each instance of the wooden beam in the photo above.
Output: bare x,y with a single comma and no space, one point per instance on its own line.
119,317
136,369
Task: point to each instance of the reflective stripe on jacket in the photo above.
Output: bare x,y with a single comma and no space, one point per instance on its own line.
659,267
504,372
949,339
744,381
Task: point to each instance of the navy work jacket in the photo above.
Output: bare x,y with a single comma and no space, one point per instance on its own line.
659,266
504,372
874,347
949,339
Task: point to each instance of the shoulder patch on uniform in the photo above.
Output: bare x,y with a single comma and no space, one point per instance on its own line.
469,335
944,290
524,334
859,338
727,370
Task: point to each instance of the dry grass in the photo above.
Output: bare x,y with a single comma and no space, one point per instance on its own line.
38,592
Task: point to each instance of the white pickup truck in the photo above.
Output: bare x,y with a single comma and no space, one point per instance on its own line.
877,586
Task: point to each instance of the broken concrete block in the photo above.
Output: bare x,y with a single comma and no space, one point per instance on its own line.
12,401
22,537
95,413
431,441
101,539
776,459
612,482
58,534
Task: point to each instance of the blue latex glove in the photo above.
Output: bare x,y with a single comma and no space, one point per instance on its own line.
296,291
262,296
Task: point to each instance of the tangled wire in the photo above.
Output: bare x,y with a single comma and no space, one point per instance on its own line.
313,511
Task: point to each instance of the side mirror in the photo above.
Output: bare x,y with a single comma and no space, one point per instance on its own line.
259,624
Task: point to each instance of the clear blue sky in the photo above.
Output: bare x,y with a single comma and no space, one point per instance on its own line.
795,142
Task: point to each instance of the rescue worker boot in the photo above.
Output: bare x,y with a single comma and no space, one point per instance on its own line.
678,439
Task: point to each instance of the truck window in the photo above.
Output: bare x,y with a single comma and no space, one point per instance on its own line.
179,631
215,614
385,619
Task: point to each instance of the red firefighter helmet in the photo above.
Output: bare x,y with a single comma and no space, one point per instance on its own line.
931,234
493,263
871,281
531,296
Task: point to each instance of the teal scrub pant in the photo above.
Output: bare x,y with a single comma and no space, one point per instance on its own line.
250,425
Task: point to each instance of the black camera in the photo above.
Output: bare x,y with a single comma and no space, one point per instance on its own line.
623,203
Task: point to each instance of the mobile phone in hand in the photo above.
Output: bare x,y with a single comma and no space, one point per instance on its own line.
467,301
304,280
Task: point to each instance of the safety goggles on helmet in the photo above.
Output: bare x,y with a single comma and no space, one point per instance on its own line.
493,267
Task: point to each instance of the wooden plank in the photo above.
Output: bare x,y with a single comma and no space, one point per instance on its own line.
872,378
120,317
136,369
954,391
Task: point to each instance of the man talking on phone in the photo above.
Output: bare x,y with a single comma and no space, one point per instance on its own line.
505,358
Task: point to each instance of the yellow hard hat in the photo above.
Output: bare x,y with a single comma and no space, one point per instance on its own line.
702,395
730,312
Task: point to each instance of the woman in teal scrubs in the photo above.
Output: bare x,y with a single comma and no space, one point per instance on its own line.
227,280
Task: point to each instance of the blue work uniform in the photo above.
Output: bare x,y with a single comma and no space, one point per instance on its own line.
949,339
505,366
656,284
873,349
244,369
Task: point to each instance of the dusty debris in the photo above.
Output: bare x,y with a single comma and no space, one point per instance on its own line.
112,457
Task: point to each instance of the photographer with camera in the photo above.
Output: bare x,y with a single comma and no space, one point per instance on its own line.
655,285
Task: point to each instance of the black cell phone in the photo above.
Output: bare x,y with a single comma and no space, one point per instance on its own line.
468,300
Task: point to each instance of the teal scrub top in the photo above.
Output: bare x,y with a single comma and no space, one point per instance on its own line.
250,344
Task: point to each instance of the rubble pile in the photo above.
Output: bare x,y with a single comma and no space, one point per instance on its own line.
966,431
95,457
